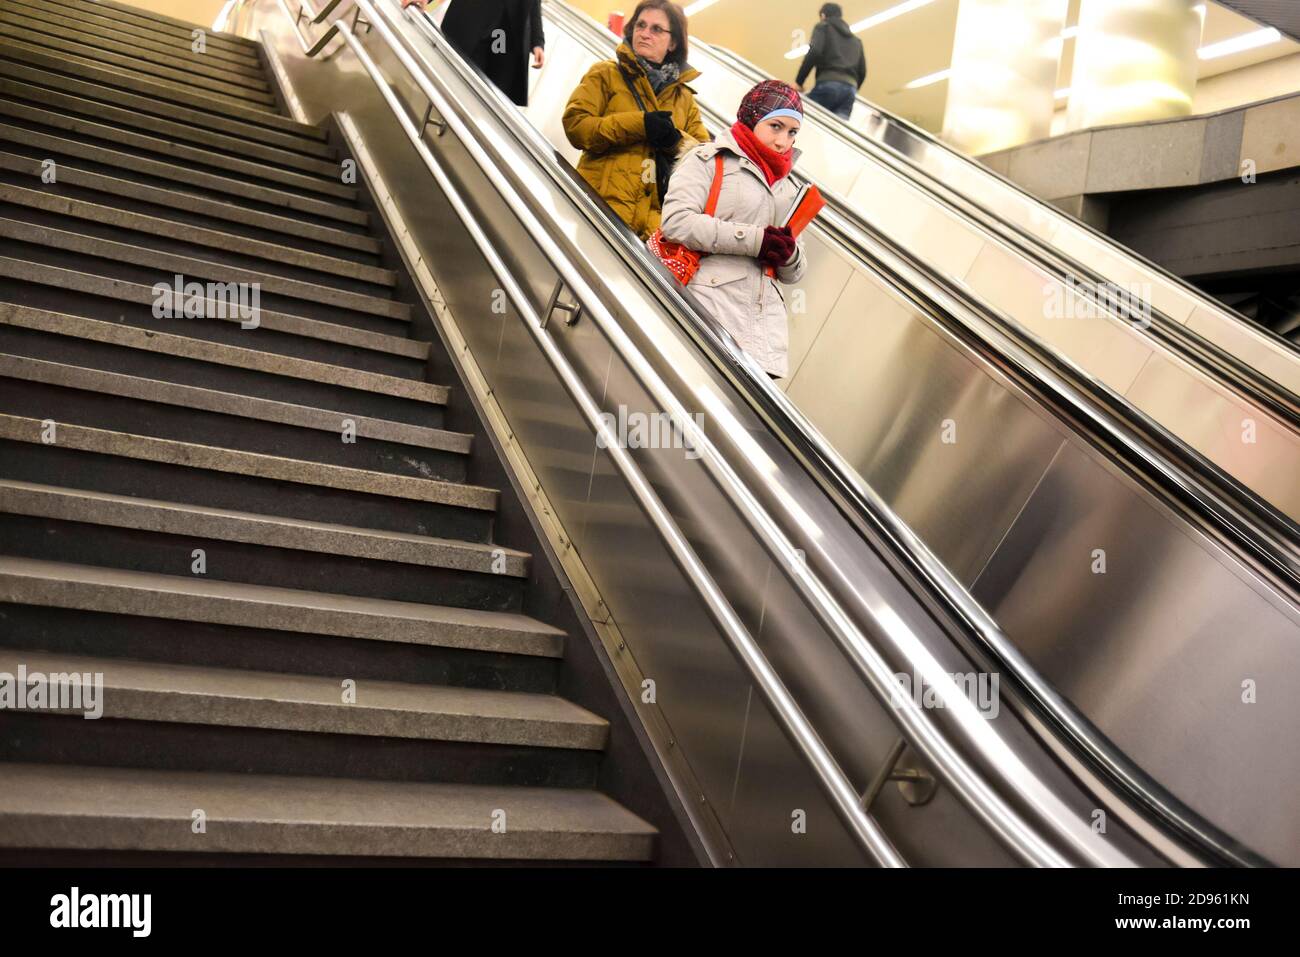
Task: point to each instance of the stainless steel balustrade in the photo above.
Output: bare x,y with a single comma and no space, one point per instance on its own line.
982,526
996,766
837,787
976,228
1252,358
1029,845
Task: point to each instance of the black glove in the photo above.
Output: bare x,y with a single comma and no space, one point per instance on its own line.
778,245
659,130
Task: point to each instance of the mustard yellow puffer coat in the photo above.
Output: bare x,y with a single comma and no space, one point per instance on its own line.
603,120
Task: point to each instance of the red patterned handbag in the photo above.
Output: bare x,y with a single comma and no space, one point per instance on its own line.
683,262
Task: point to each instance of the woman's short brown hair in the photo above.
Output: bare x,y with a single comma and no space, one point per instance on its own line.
676,25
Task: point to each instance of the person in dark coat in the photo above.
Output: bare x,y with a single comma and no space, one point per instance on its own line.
839,59
497,36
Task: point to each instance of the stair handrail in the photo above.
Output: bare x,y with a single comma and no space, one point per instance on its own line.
1004,820
1150,447
742,652
835,783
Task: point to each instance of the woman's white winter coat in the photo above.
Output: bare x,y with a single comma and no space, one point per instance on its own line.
731,283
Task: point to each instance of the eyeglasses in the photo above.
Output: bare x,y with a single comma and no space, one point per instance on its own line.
652,28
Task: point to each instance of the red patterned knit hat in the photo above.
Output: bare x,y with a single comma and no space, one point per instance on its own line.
766,98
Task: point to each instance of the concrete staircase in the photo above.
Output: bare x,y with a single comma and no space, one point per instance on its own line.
313,648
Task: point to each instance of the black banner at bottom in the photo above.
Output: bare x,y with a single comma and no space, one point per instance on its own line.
333,905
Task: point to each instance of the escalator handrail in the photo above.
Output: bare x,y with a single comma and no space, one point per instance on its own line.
1221,365
1056,710
1203,834
839,790
748,372
1218,363
847,130
1258,528
1053,820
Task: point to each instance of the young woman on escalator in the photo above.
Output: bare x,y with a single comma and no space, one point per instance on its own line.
748,255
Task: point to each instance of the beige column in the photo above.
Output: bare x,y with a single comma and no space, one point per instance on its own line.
1002,88
1134,60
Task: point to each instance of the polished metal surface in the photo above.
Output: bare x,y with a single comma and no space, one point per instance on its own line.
1087,627
963,496
531,331
836,626
1037,220
947,211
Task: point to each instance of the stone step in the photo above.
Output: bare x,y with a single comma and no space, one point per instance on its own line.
56,806
86,25
138,349
74,533
78,147
28,581
192,268
249,464
76,114
107,634
45,71
212,311
188,694
182,201
218,48
63,393
69,466
127,15
180,233
89,50
269,363
14,47
270,531
301,172
327,421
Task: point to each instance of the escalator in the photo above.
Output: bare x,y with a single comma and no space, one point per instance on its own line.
1198,369
896,446
1282,14
724,616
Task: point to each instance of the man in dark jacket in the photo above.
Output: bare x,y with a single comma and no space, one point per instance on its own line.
497,36
837,56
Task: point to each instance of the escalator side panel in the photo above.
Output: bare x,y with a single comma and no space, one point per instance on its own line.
1187,670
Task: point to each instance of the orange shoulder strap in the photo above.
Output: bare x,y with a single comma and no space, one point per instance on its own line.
711,206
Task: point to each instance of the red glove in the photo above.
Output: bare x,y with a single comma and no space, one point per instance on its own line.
778,246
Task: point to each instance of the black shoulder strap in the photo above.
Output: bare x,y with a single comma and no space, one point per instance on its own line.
631,85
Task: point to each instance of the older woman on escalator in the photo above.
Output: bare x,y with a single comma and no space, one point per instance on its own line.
633,116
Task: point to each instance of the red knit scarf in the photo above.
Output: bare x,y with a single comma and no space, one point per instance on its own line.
773,164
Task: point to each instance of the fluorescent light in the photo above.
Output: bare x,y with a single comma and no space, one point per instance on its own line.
1062,93
1246,41
927,80
1069,32
797,52
697,6
886,15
